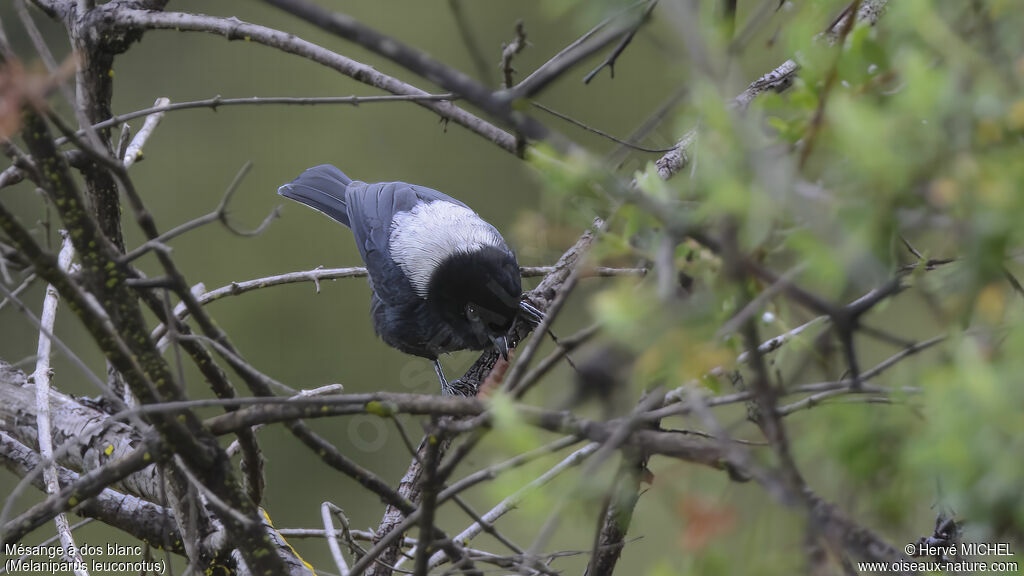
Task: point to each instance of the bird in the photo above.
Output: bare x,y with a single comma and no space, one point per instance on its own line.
442,278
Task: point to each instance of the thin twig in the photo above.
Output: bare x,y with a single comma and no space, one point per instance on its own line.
522,363
319,274
419,63
232,28
51,540
219,214
563,347
101,385
508,51
41,377
612,58
818,119
569,55
512,501
778,80
21,288
326,510
483,69
223,508
218,101
598,131
617,157
133,153
494,470
129,348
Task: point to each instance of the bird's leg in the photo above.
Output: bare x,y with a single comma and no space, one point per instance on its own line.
455,387
440,375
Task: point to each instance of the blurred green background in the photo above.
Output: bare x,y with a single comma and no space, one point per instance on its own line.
690,520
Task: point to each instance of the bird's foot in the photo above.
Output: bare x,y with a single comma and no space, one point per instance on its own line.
458,388
530,312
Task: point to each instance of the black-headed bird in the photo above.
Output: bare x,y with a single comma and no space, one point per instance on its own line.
442,278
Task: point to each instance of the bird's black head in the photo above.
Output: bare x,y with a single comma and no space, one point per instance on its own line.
477,293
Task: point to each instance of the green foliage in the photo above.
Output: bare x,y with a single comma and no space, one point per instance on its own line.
974,432
908,132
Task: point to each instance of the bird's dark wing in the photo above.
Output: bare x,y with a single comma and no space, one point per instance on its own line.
371,208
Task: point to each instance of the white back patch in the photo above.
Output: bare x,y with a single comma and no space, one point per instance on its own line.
428,234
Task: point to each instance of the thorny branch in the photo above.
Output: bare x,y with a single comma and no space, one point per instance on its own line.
777,80
107,292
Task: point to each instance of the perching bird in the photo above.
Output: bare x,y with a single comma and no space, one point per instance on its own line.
442,278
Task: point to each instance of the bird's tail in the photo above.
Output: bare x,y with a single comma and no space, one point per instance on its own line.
322,188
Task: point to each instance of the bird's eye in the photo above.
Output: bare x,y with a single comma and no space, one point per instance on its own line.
472,314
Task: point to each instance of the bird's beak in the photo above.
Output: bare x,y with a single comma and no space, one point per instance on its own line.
501,345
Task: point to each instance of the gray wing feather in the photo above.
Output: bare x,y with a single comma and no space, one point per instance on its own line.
371,208
431,195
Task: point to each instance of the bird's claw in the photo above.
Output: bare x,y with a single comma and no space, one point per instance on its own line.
458,388
530,312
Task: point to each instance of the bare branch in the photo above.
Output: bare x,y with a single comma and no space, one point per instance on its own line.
508,52
234,29
428,502
326,510
124,339
133,152
138,517
219,214
572,265
599,132
868,11
609,62
778,80
319,274
489,473
218,101
483,69
21,288
622,497
512,501
589,43
419,63
41,377
87,486
845,25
